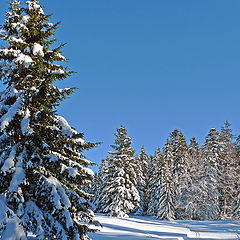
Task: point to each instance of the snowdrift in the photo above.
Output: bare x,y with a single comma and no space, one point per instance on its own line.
149,228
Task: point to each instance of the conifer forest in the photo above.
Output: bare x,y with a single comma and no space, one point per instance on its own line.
180,181
47,188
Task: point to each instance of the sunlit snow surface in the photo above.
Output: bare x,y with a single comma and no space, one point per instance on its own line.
148,228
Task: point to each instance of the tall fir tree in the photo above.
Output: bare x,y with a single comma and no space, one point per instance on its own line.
237,145
165,192
153,162
155,178
180,174
229,171
236,205
120,195
42,169
98,185
142,162
193,193
211,176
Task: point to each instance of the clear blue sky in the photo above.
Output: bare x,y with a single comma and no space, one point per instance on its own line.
152,66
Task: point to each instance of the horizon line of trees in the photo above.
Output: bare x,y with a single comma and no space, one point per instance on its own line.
180,181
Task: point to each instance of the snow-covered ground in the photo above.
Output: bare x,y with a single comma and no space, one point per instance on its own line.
148,228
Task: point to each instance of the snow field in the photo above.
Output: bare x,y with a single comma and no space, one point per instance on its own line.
149,228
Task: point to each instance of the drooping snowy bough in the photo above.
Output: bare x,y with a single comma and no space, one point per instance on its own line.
42,169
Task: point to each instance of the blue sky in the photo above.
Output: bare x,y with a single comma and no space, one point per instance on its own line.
152,66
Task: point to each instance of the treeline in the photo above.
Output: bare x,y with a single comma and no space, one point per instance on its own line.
180,181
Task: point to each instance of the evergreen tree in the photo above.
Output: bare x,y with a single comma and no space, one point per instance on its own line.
228,167
179,148
237,145
120,195
99,183
155,176
143,181
236,205
151,178
193,193
180,174
211,176
42,169
165,192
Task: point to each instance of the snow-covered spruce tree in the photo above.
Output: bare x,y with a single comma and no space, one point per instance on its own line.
180,170
42,167
120,195
237,145
165,192
193,193
210,176
155,178
236,205
229,168
142,162
138,210
151,179
98,184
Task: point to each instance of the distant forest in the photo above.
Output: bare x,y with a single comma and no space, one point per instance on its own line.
180,181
